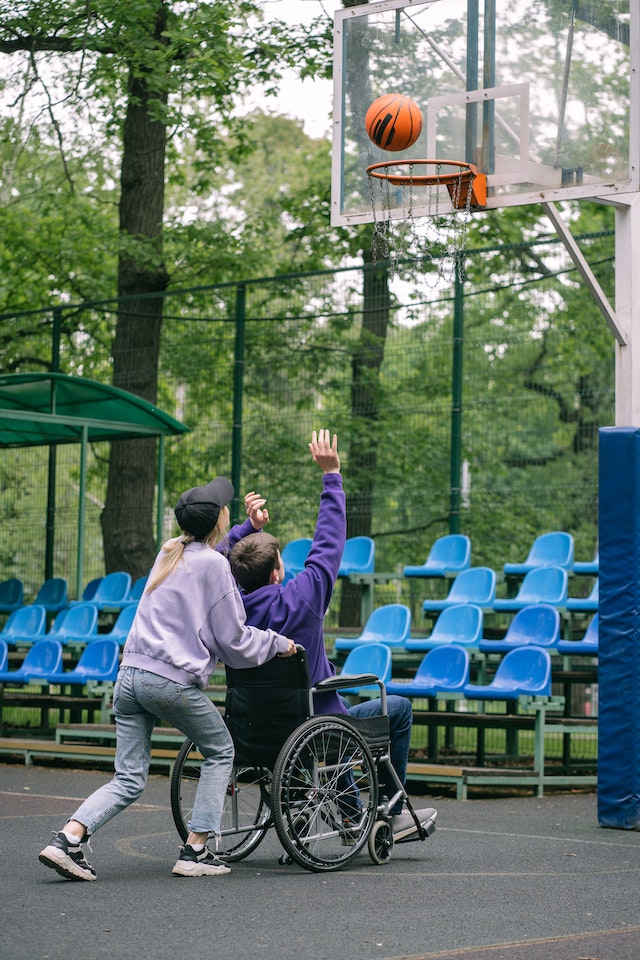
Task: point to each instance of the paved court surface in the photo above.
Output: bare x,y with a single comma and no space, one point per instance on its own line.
501,879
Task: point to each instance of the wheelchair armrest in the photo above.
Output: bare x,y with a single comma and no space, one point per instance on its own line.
346,680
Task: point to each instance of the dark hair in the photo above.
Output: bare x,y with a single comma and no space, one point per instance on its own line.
253,560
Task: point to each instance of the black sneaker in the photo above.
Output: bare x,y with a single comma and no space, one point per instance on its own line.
67,859
198,864
350,831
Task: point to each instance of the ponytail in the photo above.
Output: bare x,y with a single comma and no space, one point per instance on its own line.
173,550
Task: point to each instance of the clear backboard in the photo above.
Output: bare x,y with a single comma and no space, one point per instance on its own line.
540,95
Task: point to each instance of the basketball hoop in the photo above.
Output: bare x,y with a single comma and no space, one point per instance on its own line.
444,190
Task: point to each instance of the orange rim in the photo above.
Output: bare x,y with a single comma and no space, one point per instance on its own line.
464,173
466,187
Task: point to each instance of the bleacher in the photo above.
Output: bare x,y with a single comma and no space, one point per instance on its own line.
61,656
541,602
526,740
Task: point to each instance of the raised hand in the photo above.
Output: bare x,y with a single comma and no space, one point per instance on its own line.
324,451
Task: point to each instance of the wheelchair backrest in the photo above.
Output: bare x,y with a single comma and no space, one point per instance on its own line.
265,704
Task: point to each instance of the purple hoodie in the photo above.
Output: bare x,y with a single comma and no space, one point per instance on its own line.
297,608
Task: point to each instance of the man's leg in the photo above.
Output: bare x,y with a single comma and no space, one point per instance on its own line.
400,723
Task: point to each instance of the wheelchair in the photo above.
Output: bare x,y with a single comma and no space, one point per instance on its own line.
315,778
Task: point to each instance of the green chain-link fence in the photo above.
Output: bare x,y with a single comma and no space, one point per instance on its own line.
482,420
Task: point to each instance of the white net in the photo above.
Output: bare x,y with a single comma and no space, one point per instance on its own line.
437,238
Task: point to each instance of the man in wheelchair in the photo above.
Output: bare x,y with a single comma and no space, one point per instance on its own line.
297,609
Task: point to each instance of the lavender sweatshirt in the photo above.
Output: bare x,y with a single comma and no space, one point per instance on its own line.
195,618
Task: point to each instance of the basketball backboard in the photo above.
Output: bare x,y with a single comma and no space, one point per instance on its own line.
541,95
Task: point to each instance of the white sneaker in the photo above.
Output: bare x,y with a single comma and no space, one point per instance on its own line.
404,827
66,859
198,864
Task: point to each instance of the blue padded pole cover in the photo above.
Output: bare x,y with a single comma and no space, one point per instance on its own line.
619,629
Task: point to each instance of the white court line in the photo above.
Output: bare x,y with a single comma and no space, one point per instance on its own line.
538,836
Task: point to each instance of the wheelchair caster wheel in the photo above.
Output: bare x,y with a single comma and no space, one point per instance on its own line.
381,842
284,860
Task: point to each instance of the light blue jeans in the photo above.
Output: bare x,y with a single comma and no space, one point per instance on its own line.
139,699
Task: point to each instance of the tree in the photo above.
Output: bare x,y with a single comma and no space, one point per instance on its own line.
149,75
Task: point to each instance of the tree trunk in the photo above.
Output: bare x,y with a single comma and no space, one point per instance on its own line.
365,411
127,519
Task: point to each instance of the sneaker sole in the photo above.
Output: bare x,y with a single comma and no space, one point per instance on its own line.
64,865
412,833
199,870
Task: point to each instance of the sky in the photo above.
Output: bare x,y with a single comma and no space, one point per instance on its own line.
308,100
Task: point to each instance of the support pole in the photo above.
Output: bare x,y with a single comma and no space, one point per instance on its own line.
81,510
628,313
50,535
455,482
238,387
160,488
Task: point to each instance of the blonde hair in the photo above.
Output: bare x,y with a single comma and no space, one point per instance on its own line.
174,549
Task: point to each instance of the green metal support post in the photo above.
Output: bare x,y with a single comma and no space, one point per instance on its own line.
238,386
455,481
49,549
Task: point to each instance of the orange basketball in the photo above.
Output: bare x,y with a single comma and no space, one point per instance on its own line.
393,121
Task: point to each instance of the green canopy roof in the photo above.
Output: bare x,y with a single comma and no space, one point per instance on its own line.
45,409
39,409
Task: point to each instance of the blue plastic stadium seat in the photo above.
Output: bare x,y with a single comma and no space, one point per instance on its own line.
294,553
25,625
358,557
368,658
537,624
112,591
444,669
586,646
4,655
549,549
540,585
460,623
99,661
76,624
11,594
449,555
389,624
591,567
89,591
585,604
120,630
41,659
136,591
476,585
53,595
523,671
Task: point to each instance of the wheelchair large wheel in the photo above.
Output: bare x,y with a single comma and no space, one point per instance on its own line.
312,792
246,815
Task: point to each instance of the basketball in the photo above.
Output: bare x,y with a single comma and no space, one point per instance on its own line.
393,121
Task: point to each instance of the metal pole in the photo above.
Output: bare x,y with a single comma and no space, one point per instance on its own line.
473,15
50,531
81,510
486,160
160,503
456,401
628,314
238,383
